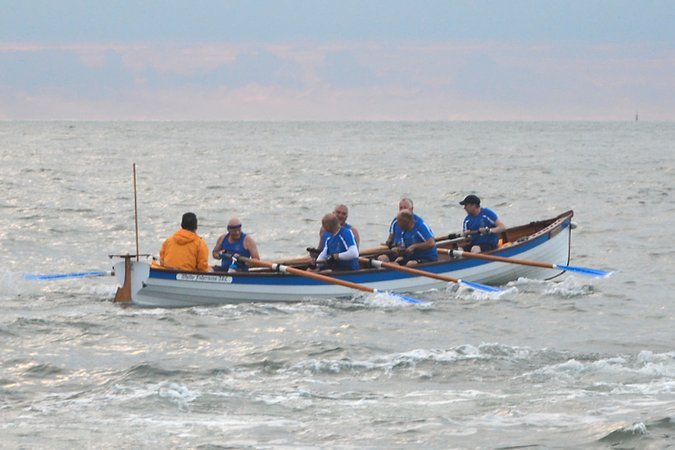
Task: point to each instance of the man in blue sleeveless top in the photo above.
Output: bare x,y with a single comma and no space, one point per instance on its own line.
413,241
339,251
237,243
481,225
341,212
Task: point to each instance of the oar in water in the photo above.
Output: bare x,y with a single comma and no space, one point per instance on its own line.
394,266
58,276
597,273
324,278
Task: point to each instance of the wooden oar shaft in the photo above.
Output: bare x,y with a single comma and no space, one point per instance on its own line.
442,240
306,274
523,262
409,270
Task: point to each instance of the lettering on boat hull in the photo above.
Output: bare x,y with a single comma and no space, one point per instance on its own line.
203,278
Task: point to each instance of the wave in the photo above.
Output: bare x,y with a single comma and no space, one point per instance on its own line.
393,362
14,284
646,373
652,434
569,287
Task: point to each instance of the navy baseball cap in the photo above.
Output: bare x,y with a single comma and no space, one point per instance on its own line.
470,199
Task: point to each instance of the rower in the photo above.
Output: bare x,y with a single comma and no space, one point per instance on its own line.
340,251
481,225
232,244
185,249
413,241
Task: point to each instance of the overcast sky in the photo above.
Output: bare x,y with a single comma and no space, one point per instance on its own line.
337,60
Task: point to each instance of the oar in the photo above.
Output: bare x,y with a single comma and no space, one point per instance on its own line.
394,266
57,276
324,278
451,238
597,273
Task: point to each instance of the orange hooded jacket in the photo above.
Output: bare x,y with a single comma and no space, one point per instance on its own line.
185,250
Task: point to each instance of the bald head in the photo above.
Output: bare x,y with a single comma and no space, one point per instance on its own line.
330,223
405,203
234,229
341,212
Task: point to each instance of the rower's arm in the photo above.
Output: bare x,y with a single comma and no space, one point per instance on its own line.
219,245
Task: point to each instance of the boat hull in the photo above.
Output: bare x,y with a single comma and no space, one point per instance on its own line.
164,288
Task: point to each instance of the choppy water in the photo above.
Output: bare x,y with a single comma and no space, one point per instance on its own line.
572,363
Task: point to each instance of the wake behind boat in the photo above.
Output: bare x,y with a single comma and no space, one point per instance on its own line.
546,241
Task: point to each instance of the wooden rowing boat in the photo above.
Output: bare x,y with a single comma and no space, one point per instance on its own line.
545,241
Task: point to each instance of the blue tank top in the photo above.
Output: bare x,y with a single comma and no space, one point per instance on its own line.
232,248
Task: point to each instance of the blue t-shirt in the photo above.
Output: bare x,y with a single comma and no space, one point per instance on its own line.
326,235
419,233
232,248
393,225
485,218
339,243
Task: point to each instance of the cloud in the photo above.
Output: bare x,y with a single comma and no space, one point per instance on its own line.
360,80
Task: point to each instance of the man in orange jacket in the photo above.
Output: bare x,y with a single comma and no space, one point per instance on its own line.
185,250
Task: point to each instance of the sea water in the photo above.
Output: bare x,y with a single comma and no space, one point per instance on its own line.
567,363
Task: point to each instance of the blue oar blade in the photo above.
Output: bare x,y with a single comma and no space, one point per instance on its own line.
57,276
597,273
407,298
480,287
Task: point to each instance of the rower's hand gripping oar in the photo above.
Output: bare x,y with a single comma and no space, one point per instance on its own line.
394,266
596,273
324,278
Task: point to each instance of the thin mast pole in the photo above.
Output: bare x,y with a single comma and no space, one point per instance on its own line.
136,214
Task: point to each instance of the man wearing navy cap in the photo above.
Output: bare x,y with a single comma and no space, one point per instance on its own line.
481,225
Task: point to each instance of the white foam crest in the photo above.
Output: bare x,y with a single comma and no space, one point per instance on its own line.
527,284
177,394
450,396
573,368
412,358
133,312
508,418
388,300
647,356
638,428
650,372
504,351
299,398
663,386
464,292
569,287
